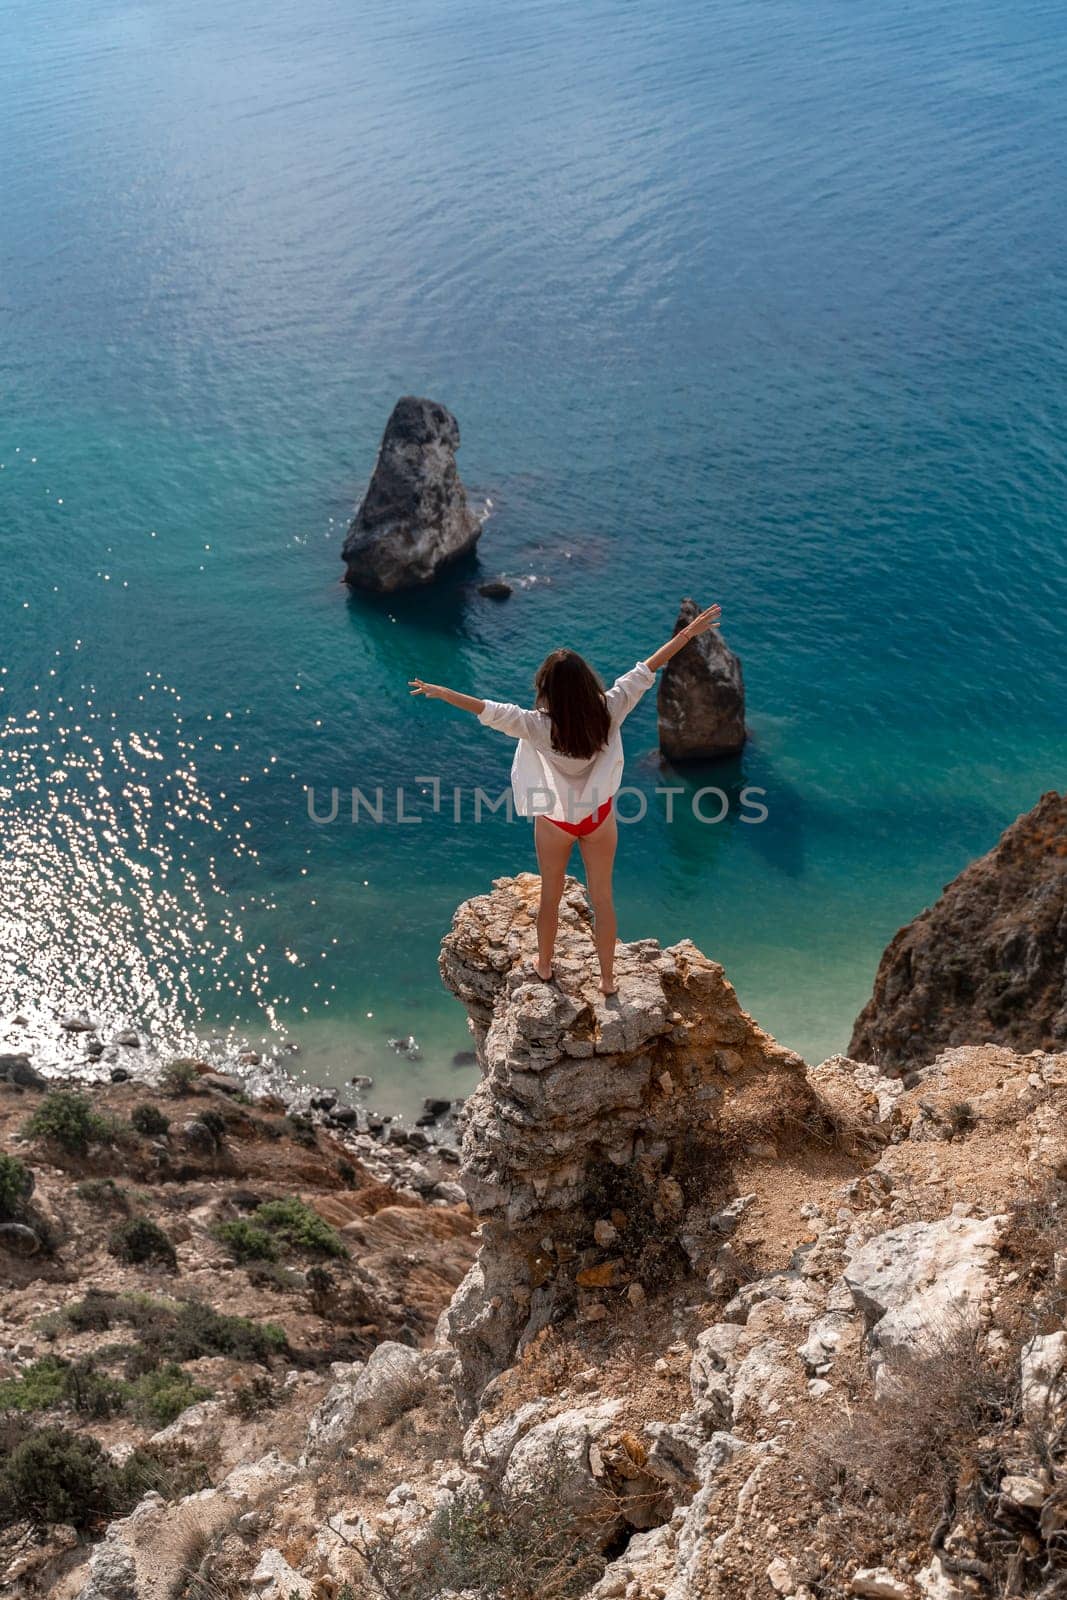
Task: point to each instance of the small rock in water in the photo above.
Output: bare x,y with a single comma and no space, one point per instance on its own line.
408,1047
120,1075
94,1049
78,1024
361,1081
129,1038
20,1021
496,589
324,1100
249,1058
435,1107
464,1058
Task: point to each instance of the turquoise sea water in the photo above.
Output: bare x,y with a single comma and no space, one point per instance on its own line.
762,301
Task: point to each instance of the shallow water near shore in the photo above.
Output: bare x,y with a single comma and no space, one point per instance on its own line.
763,305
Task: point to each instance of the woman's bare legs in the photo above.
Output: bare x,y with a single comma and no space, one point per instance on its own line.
598,854
553,852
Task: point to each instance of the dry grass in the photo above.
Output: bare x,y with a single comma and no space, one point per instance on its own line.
919,1467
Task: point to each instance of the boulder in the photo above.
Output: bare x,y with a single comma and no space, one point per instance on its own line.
1043,1364
878,1583
369,1395
701,697
987,963
923,1281
17,1069
414,518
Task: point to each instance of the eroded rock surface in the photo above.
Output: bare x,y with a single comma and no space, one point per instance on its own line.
701,697
594,1142
414,518
987,962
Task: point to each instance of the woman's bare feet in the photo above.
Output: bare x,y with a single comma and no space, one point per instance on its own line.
545,977
608,987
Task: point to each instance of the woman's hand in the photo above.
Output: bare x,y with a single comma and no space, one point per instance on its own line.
678,641
707,619
452,697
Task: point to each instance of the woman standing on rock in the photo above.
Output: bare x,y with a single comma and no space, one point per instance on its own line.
567,767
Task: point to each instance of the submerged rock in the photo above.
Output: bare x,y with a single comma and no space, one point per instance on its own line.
496,589
987,962
701,697
414,517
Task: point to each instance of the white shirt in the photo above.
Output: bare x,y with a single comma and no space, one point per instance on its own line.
566,788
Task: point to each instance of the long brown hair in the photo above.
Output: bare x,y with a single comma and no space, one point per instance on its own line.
572,694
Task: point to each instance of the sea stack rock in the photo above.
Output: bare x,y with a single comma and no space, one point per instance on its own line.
987,963
595,1144
701,702
414,518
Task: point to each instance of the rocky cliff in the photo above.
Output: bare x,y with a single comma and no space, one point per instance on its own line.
987,962
599,1146
736,1328
414,518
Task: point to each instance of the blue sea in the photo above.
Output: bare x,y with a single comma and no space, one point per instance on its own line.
758,301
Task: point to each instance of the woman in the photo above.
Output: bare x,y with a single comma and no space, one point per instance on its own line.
567,767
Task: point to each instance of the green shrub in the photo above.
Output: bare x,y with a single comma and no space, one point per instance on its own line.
290,1219
172,1471
245,1241
178,1076
91,1392
104,1193
175,1330
53,1475
163,1394
93,1314
16,1186
141,1241
41,1385
68,1120
150,1121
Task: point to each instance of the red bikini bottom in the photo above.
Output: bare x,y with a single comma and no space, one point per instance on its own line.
587,825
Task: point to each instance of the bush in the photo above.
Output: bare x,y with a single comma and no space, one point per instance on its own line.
68,1120
245,1241
53,1475
523,1545
160,1396
93,1393
290,1219
16,1186
251,1399
178,1076
175,1330
103,1192
150,1121
142,1241
41,1385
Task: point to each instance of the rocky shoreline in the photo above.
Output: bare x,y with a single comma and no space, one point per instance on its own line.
690,1319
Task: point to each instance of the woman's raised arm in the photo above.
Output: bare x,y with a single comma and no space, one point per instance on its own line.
434,691
692,630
